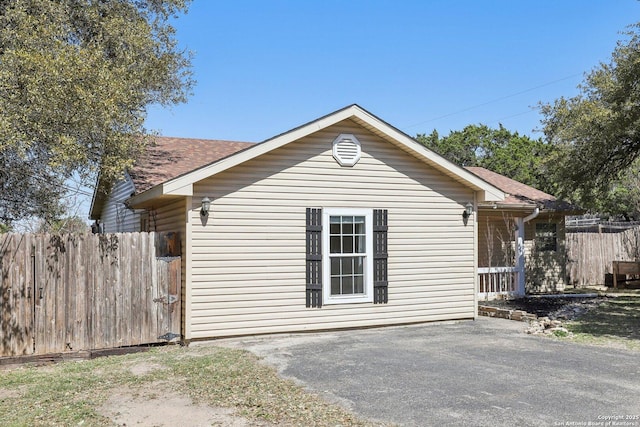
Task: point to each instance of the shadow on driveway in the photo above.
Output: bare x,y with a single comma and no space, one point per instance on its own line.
473,373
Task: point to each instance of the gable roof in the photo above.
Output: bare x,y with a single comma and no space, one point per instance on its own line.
167,158
519,194
182,185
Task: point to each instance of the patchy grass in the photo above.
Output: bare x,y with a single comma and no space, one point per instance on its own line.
236,378
64,394
560,334
72,393
615,322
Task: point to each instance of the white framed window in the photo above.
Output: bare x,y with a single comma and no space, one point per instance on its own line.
347,236
547,237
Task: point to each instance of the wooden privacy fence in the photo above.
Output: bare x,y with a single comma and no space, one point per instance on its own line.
590,254
73,292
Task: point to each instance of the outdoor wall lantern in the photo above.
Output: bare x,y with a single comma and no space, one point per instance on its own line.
206,205
468,210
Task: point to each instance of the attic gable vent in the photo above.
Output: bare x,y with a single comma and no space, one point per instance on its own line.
346,149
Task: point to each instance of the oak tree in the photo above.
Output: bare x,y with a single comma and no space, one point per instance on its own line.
597,132
76,77
500,150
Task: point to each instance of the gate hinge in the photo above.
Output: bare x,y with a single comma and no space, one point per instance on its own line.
167,300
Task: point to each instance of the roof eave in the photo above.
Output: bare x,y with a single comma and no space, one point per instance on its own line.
183,185
526,207
97,203
142,199
507,206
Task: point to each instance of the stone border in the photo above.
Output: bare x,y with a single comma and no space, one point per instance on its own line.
504,313
542,325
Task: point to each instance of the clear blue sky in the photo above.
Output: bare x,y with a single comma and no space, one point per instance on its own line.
264,67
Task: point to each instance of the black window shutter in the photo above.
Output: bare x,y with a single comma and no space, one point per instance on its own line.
380,280
314,257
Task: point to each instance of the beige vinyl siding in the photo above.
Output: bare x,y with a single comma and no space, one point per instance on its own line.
248,260
169,217
115,216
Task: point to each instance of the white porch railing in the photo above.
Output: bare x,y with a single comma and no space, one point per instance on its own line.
495,282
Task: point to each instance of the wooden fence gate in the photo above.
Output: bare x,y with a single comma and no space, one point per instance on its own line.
74,292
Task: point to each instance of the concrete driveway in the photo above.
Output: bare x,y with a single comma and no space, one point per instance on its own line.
473,373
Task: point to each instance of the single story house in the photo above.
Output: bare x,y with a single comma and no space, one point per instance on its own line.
521,239
342,222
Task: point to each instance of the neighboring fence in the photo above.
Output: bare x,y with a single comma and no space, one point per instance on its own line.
590,253
72,292
596,225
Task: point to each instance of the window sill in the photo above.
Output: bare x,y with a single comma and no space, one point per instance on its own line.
347,300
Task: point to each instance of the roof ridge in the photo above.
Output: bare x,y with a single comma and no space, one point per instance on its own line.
201,139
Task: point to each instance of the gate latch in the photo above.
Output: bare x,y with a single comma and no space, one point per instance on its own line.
169,336
170,299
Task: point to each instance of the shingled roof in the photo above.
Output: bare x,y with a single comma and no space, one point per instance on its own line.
166,158
519,194
171,166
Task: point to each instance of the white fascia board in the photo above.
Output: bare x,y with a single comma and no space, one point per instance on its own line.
509,207
257,150
150,194
171,188
183,185
493,196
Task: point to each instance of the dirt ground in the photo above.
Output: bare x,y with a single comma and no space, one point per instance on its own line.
159,405
171,410
563,308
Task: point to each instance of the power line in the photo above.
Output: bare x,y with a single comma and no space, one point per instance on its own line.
502,98
68,188
530,110
76,191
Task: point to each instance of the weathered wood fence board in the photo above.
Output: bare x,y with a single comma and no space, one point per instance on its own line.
72,292
16,268
590,255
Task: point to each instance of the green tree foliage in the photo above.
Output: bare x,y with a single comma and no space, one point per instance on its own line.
621,199
70,224
500,150
76,77
597,132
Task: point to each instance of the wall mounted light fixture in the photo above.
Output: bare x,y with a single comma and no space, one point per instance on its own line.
468,210
206,205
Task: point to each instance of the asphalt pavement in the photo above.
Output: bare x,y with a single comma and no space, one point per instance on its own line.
471,373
